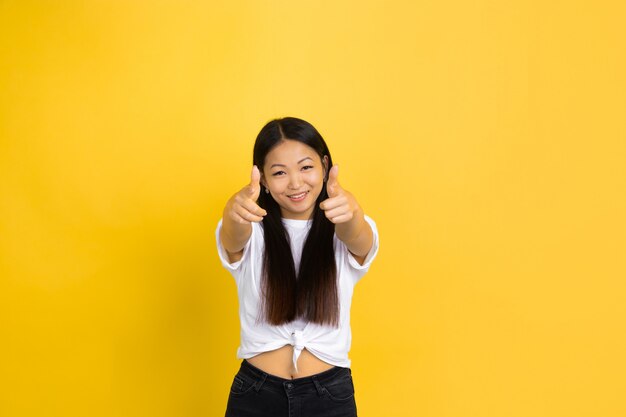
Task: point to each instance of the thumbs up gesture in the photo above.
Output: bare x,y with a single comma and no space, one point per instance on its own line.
340,206
242,207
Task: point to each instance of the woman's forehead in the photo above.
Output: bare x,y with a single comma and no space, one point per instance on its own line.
291,152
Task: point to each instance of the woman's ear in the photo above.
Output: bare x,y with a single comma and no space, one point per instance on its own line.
262,180
326,167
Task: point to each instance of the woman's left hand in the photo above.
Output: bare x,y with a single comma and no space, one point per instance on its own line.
340,206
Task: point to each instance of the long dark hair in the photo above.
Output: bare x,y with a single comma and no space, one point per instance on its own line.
311,292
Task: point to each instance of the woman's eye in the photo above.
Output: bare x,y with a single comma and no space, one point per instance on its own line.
307,167
277,173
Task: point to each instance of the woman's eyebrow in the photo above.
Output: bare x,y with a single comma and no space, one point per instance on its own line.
299,162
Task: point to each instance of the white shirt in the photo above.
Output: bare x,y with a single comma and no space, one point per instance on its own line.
330,344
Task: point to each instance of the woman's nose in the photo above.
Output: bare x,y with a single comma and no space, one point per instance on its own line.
295,182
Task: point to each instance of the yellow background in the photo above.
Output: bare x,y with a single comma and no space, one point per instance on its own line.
486,138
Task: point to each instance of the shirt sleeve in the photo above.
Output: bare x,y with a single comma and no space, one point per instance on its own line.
369,258
233,267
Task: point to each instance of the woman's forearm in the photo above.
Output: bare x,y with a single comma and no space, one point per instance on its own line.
356,234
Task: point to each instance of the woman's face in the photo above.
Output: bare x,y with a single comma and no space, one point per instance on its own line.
294,174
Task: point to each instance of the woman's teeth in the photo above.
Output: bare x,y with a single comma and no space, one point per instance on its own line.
298,196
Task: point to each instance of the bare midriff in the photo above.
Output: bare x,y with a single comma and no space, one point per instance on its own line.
279,362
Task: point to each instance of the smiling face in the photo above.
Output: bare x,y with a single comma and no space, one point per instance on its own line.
294,174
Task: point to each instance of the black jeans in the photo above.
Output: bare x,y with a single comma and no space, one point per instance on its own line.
255,393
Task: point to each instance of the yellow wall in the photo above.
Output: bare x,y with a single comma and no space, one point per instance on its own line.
487,139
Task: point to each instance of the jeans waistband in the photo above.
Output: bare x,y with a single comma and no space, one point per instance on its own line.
312,381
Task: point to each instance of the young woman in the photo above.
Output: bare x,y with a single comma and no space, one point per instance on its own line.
296,243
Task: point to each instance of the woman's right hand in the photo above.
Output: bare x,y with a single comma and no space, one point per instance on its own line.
242,207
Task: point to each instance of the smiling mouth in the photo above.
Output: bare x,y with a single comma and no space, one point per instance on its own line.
298,197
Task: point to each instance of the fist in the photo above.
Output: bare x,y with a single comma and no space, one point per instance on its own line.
340,205
242,206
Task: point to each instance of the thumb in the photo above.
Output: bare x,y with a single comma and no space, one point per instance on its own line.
332,187
255,183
